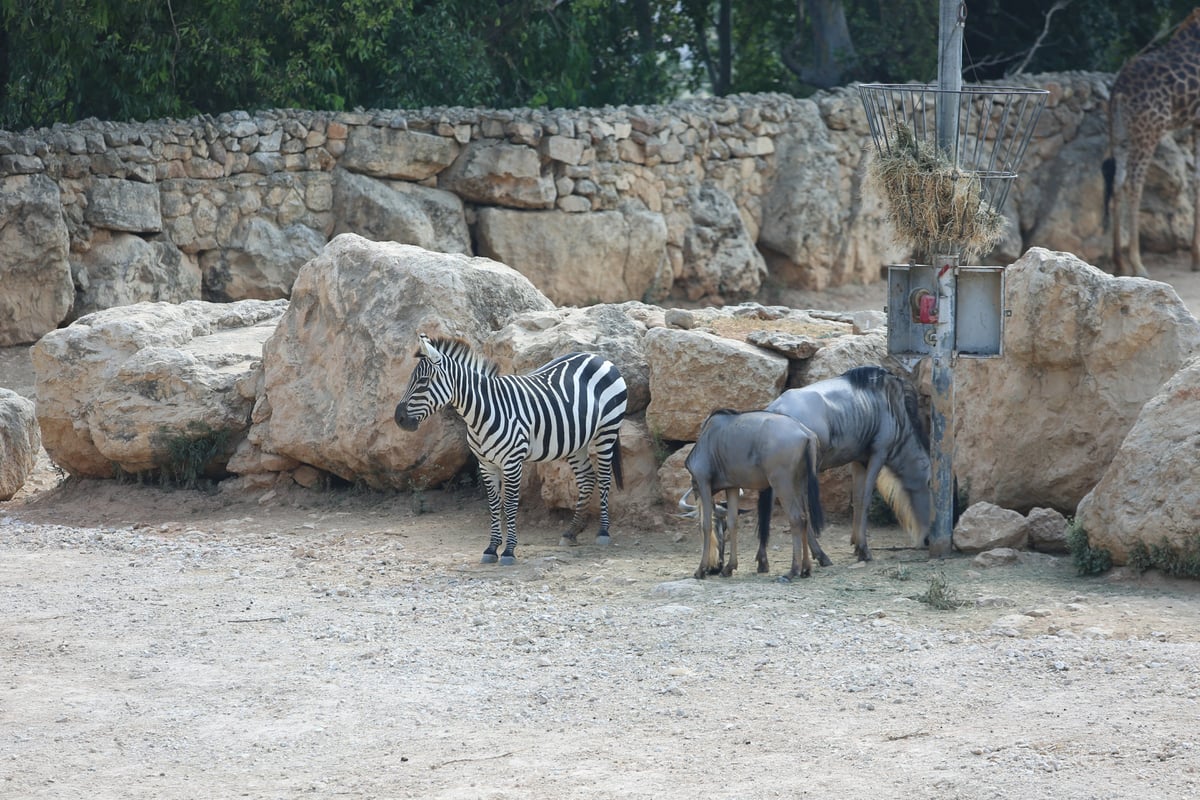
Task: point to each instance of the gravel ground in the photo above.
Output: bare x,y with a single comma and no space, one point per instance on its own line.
174,644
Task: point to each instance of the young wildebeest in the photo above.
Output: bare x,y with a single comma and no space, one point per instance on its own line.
757,450
557,411
868,418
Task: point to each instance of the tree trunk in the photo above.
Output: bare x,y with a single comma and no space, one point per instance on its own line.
832,48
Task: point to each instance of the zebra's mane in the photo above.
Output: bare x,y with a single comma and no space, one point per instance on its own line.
460,352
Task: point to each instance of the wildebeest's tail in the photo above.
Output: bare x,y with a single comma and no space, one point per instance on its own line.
766,504
1108,168
897,498
816,515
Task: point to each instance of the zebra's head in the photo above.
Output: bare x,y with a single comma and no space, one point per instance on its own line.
428,390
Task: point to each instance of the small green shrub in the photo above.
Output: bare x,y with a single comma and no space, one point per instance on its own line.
1179,562
188,453
941,595
1088,560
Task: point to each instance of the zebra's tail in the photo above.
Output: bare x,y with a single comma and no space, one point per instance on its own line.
616,463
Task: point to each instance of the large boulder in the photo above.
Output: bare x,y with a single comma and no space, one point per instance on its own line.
1083,353
626,252
342,355
263,263
497,173
720,260
1150,491
121,269
613,331
694,372
117,388
35,276
399,211
823,224
20,440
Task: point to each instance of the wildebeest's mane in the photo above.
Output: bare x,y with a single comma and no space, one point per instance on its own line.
871,377
460,351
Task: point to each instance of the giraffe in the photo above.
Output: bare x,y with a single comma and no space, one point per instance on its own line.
1157,91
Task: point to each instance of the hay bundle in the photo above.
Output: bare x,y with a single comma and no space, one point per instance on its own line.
934,206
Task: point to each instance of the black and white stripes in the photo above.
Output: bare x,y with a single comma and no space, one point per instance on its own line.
558,411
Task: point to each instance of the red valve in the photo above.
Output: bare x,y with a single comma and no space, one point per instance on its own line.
925,307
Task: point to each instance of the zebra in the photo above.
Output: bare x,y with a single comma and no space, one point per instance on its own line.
555,412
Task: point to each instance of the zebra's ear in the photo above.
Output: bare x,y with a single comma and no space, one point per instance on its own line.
428,350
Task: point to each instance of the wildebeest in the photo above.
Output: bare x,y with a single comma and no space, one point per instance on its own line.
868,418
557,411
757,450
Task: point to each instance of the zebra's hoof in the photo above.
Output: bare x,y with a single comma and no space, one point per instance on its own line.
489,558
568,541
603,539
507,561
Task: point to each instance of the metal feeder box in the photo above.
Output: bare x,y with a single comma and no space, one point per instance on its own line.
913,308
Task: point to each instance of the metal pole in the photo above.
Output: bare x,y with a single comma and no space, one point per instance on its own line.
950,31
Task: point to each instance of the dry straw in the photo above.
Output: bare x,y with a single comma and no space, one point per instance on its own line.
935,207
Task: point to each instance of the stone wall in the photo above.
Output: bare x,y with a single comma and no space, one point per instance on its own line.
704,199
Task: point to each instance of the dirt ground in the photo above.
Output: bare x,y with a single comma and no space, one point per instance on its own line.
178,644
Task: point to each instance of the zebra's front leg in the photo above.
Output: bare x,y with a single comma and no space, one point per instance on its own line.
492,481
585,483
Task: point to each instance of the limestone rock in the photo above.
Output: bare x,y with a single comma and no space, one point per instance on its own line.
1150,491
121,269
341,357
20,440
395,153
500,174
1083,352
822,225
123,205
626,252
264,263
1046,530
34,271
399,211
719,257
985,526
692,373
115,386
533,338
842,353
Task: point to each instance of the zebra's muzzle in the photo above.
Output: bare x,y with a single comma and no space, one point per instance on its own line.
405,422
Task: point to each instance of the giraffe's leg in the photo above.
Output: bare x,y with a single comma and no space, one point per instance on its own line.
492,481
1137,178
1195,199
585,483
1115,217
511,493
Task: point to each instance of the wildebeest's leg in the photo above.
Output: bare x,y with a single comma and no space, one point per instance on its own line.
511,494
798,517
766,504
492,481
860,500
585,483
708,539
814,513
871,474
731,521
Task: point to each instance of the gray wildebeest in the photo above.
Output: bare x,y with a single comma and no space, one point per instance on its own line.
560,410
868,418
756,450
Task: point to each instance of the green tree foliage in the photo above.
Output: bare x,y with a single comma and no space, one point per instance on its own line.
63,60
